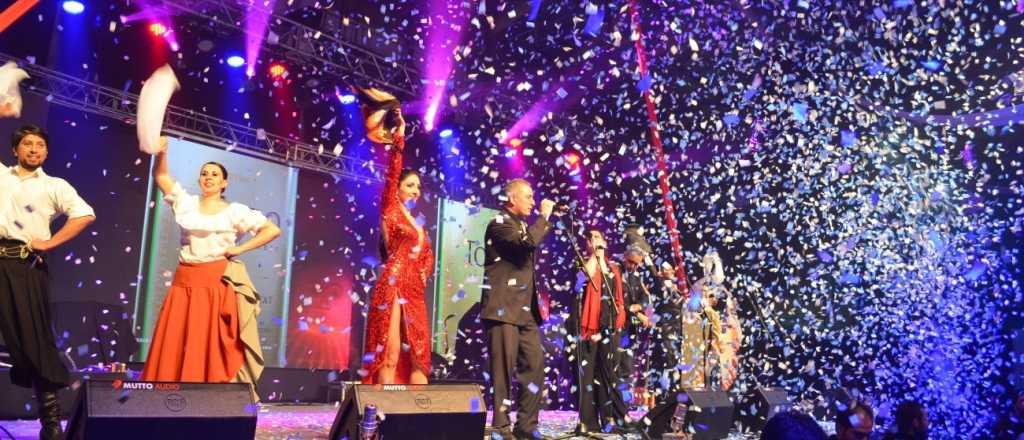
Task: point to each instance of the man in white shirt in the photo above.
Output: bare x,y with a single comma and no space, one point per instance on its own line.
29,200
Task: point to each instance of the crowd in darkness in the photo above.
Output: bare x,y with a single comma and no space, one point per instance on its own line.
856,420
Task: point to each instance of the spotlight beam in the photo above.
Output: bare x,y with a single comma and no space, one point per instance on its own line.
257,19
328,51
444,34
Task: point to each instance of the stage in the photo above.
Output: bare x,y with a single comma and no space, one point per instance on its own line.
313,421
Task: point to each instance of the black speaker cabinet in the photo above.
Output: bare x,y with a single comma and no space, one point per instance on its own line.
761,405
706,414
116,409
437,412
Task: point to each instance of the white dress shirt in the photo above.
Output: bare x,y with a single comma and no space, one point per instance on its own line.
29,204
205,237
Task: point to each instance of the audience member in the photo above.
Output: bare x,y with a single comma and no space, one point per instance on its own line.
854,422
792,425
1011,425
911,422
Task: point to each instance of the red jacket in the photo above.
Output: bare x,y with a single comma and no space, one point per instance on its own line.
591,322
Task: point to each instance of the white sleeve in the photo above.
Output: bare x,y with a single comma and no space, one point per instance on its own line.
246,219
177,197
69,202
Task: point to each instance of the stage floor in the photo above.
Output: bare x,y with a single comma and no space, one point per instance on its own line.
295,422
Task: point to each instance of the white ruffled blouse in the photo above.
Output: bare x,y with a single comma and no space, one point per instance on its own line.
205,238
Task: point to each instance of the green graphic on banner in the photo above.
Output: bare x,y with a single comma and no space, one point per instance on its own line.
460,268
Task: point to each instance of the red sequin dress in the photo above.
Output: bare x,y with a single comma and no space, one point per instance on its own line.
409,263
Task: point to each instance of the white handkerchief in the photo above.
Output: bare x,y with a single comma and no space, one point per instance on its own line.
10,96
156,93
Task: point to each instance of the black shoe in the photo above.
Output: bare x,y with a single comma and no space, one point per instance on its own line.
49,416
500,433
523,435
582,431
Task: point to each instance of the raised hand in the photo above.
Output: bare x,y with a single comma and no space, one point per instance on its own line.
546,207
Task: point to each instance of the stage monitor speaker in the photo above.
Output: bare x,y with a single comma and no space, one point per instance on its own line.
761,405
437,412
705,414
116,409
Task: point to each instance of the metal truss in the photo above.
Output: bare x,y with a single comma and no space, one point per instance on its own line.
314,47
68,91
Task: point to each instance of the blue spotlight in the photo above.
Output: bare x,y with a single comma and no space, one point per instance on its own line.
446,133
347,98
236,61
73,7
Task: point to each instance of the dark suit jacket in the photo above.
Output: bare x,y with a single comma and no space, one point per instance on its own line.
509,292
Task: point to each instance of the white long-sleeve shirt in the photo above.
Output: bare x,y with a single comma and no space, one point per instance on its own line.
28,204
206,237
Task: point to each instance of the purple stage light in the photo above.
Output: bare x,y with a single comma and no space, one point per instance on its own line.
447,20
430,118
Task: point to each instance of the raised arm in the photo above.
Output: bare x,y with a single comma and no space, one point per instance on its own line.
390,196
160,174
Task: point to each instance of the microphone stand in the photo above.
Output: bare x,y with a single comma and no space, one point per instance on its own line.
705,332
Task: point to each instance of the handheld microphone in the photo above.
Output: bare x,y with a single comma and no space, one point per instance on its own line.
368,427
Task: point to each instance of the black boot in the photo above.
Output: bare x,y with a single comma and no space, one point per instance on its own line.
49,415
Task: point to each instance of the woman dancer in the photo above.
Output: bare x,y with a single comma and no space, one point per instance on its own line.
197,336
397,346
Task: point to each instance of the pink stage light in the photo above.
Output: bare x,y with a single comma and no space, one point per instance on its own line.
447,20
430,118
257,18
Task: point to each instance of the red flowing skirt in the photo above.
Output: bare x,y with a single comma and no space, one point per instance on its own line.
196,337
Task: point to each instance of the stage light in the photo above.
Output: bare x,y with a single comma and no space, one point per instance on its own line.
515,142
73,7
430,118
236,61
347,98
446,133
277,70
572,160
157,29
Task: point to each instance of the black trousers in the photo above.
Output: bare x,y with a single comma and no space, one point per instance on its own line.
516,348
601,402
27,327
628,354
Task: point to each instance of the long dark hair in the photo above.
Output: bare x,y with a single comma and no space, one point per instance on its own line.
406,172
382,246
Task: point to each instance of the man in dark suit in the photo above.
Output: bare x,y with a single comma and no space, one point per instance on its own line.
510,310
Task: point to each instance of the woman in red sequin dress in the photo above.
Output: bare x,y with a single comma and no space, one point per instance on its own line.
397,346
